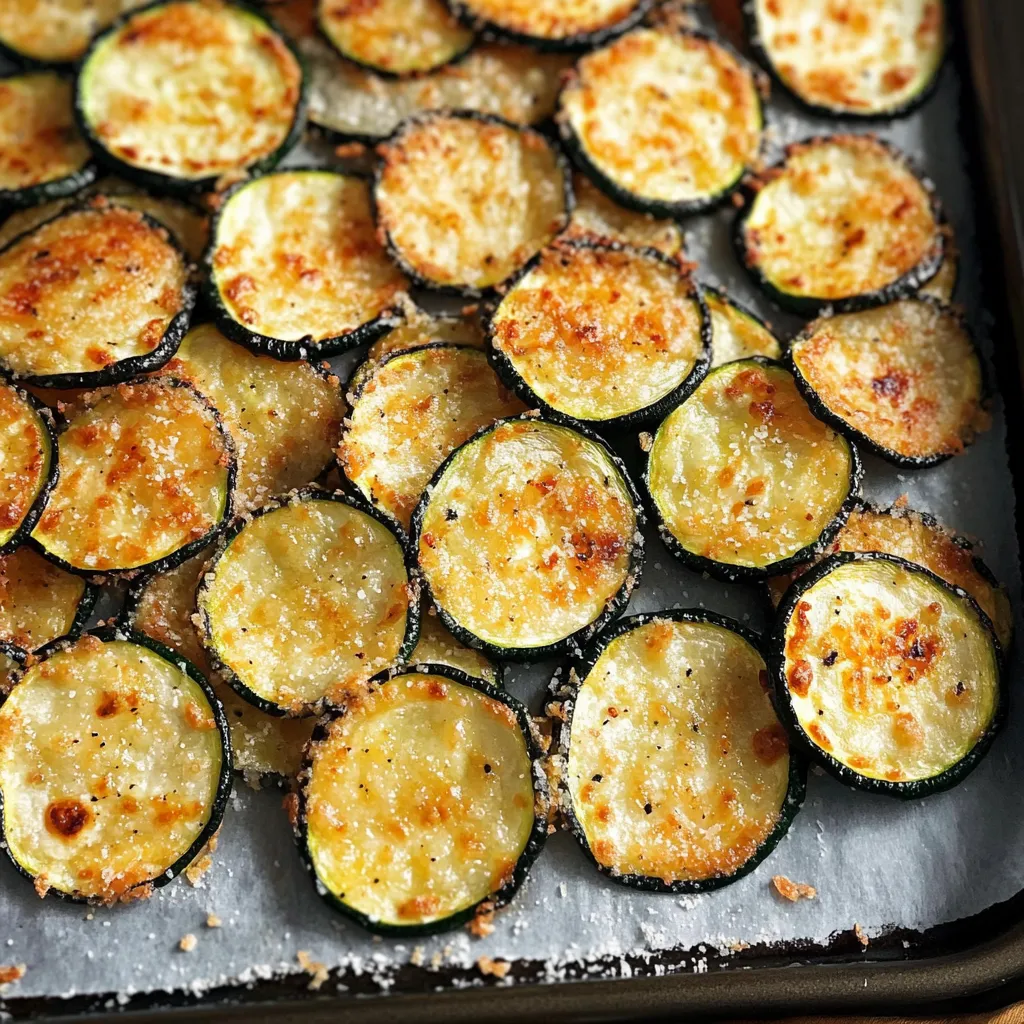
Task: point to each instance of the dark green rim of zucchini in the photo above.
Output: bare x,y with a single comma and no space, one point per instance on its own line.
534,844
124,369
415,275
903,287
501,668
577,150
613,609
563,690
751,573
224,780
744,311
824,412
169,183
946,779
298,496
514,381
18,656
51,424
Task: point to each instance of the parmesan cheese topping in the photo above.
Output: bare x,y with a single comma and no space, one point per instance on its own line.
438,647
38,601
25,459
737,334
56,30
551,19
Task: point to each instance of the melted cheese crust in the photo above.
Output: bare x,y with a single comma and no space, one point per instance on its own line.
889,673
551,19
528,535
420,800
735,334
467,202
397,36
285,417
191,89
38,601
419,328
25,458
38,138
56,30
678,768
842,217
410,414
863,57
110,761
144,472
87,290
437,646
668,117
905,375
296,257
742,473
307,602
598,333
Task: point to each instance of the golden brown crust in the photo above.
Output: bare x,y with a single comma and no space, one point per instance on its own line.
25,462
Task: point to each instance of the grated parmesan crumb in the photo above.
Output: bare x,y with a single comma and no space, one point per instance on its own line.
861,935
482,923
187,943
495,968
793,891
213,921
317,971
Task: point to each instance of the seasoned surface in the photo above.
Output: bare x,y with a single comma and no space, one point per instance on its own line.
38,600
736,334
437,646
25,457
56,30
418,328
551,19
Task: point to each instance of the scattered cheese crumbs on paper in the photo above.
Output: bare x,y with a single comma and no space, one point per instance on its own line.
496,968
861,936
416,957
15,972
316,970
793,891
187,943
195,871
213,921
738,947
482,924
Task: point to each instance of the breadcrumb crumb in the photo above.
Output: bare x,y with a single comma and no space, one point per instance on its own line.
793,891
861,935
482,924
213,921
316,970
187,943
496,968
15,972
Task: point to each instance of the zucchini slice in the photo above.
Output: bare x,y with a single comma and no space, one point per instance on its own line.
54,32
422,802
636,118
743,480
285,418
42,154
158,97
162,607
307,599
905,379
843,220
148,475
28,463
115,767
528,539
874,59
419,328
409,413
889,676
943,284
736,332
465,199
601,333
295,268
678,774
394,37
438,647
94,296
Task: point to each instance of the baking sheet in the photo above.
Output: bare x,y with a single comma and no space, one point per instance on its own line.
875,862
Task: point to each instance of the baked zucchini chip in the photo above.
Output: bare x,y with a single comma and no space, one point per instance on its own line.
423,802
601,333
465,199
678,774
42,154
636,118
285,418
295,268
888,675
89,812
419,328
736,332
879,58
307,599
843,220
148,476
743,480
160,100
409,413
54,33
905,380
528,539
438,647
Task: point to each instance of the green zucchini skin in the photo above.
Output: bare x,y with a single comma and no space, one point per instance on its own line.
745,311
562,689
224,781
534,845
19,657
843,773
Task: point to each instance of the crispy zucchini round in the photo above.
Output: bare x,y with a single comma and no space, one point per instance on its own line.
465,199
743,480
678,775
295,268
889,676
528,539
419,328
159,98
666,122
422,802
148,477
877,59
54,33
115,767
843,220
306,599
437,646
601,333
905,380
736,332
409,413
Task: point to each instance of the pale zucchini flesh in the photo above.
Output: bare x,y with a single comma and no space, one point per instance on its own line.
437,646
55,31
39,601
418,328
27,462
736,333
